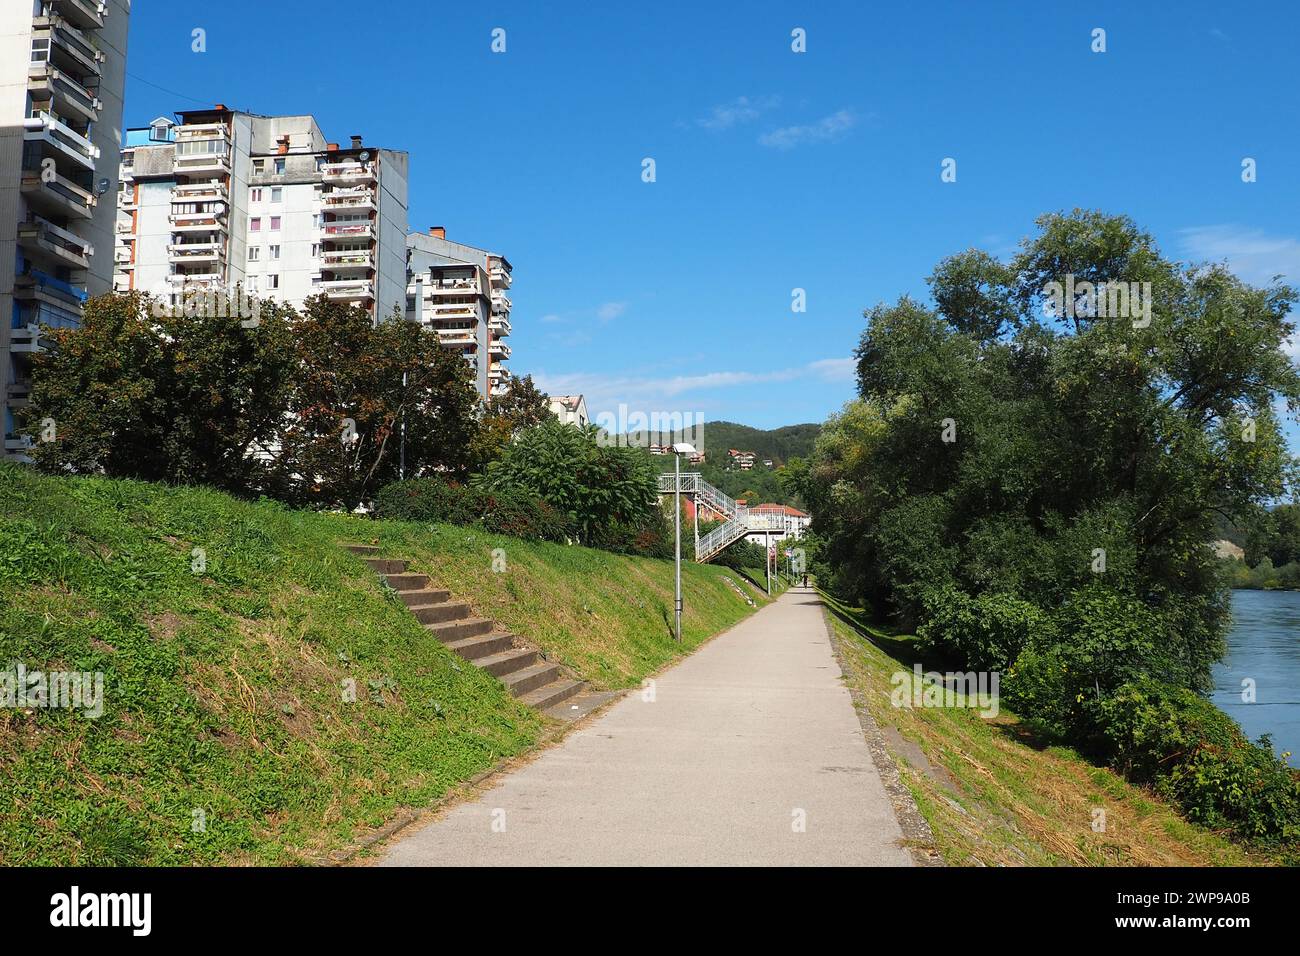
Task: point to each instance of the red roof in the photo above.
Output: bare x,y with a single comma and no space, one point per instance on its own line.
780,510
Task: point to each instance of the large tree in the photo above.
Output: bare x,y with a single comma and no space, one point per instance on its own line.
1013,440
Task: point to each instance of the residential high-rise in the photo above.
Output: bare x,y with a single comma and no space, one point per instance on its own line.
62,76
225,198
460,291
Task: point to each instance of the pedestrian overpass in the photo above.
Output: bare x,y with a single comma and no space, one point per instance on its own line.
737,520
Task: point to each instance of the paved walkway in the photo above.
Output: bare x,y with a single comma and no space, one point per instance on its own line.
746,739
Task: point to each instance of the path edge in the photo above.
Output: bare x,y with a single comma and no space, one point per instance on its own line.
919,837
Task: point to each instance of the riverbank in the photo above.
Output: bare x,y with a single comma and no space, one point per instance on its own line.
994,795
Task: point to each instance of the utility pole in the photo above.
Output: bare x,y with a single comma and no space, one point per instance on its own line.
677,537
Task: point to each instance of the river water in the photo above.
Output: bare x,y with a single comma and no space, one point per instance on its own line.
1264,645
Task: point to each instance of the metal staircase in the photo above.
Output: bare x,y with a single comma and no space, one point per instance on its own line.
737,520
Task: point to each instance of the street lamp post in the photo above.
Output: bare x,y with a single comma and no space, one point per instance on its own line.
679,449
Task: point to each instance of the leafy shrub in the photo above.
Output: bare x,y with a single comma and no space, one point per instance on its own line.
986,632
1195,755
597,488
509,511
426,499
1098,640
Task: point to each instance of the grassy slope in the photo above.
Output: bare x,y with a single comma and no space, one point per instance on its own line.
994,796
224,688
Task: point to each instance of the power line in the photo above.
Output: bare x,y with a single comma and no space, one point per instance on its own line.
164,89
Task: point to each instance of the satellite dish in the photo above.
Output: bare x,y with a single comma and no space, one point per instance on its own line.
364,156
104,186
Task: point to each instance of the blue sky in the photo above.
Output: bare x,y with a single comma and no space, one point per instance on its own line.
775,170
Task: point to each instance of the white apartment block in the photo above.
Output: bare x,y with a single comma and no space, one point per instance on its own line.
460,291
62,75
225,198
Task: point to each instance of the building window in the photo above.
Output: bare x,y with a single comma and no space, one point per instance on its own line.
255,224
277,194
279,167
315,221
259,165
273,282
254,253
315,250
315,281
275,223
275,252
252,284
255,195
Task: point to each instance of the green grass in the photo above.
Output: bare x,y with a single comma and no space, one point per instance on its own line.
994,795
224,688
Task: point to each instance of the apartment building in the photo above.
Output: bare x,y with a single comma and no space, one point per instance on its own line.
460,291
62,76
220,198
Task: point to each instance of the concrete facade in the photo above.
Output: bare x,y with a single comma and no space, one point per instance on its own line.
62,77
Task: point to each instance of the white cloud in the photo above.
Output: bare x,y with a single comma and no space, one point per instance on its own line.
605,392
609,311
551,318
742,110
1252,254
828,129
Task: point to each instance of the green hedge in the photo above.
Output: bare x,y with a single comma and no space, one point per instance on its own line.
507,511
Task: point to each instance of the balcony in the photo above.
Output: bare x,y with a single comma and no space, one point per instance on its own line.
461,312
456,337
194,132
500,304
60,140
201,164
39,287
500,326
46,242
215,191
58,196
69,47
500,277
47,83
349,289
360,200
354,259
125,227
27,339
122,256
197,222
126,200
339,231
193,281
498,349
451,287
193,253
83,14
348,172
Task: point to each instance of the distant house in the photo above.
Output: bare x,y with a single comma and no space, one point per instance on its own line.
660,449
570,409
697,458
744,460
794,523
767,462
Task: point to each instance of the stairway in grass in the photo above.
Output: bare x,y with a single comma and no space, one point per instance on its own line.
527,675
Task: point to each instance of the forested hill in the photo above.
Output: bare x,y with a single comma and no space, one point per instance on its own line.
779,444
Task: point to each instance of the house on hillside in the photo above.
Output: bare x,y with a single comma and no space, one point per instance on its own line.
743,460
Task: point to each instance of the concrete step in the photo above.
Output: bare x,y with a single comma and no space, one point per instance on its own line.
362,548
406,582
551,694
484,645
449,631
424,597
437,613
531,678
507,662
387,565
